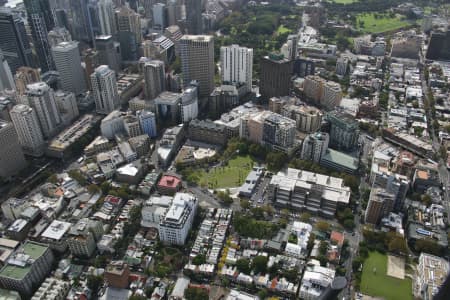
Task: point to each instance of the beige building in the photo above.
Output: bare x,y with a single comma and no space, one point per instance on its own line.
328,94
197,61
28,129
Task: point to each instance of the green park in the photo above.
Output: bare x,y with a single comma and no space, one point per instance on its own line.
379,22
376,283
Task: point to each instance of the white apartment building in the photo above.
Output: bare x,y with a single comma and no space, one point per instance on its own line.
104,88
66,56
28,129
174,227
106,17
315,280
236,65
112,124
42,99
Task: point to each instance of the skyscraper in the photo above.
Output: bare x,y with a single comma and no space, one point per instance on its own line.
154,79
14,41
237,65
197,62
194,11
68,64
11,155
275,78
108,52
82,29
6,78
129,32
42,99
28,130
40,19
104,87
106,17
159,16
91,62
344,131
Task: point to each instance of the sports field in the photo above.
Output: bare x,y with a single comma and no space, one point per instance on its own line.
376,283
232,175
343,1
371,23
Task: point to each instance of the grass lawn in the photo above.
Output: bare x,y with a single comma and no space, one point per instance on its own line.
379,284
281,29
232,175
383,24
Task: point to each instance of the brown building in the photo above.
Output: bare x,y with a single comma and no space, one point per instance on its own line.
116,274
90,59
380,204
25,76
405,164
275,76
169,185
368,109
207,132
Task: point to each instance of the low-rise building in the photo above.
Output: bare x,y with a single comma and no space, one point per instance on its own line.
207,132
169,185
52,289
83,236
116,274
315,280
27,268
431,274
55,235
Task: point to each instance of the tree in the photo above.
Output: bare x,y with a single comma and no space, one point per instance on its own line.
94,283
428,246
93,189
192,293
259,264
305,217
53,179
398,245
349,223
245,204
137,297
105,187
243,265
225,197
323,248
323,226
275,161
76,175
262,294
199,259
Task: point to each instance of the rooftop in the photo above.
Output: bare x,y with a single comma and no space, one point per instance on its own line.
169,181
56,230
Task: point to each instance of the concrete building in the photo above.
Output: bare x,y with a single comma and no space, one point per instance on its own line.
131,125
66,56
344,132
307,118
159,16
381,203
129,32
147,121
275,78
28,129
237,65
6,77
83,236
168,107
58,35
278,132
13,207
315,280
14,42
194,11
108,52
317,193
52,289
25,76
327,94
27,268
341,66
154,79
315,146
67,106
42,99
431,274
112,124
189,104
12,160
104,88
197,61
175,226
173,32
170,144
106,17
207,132
55,235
